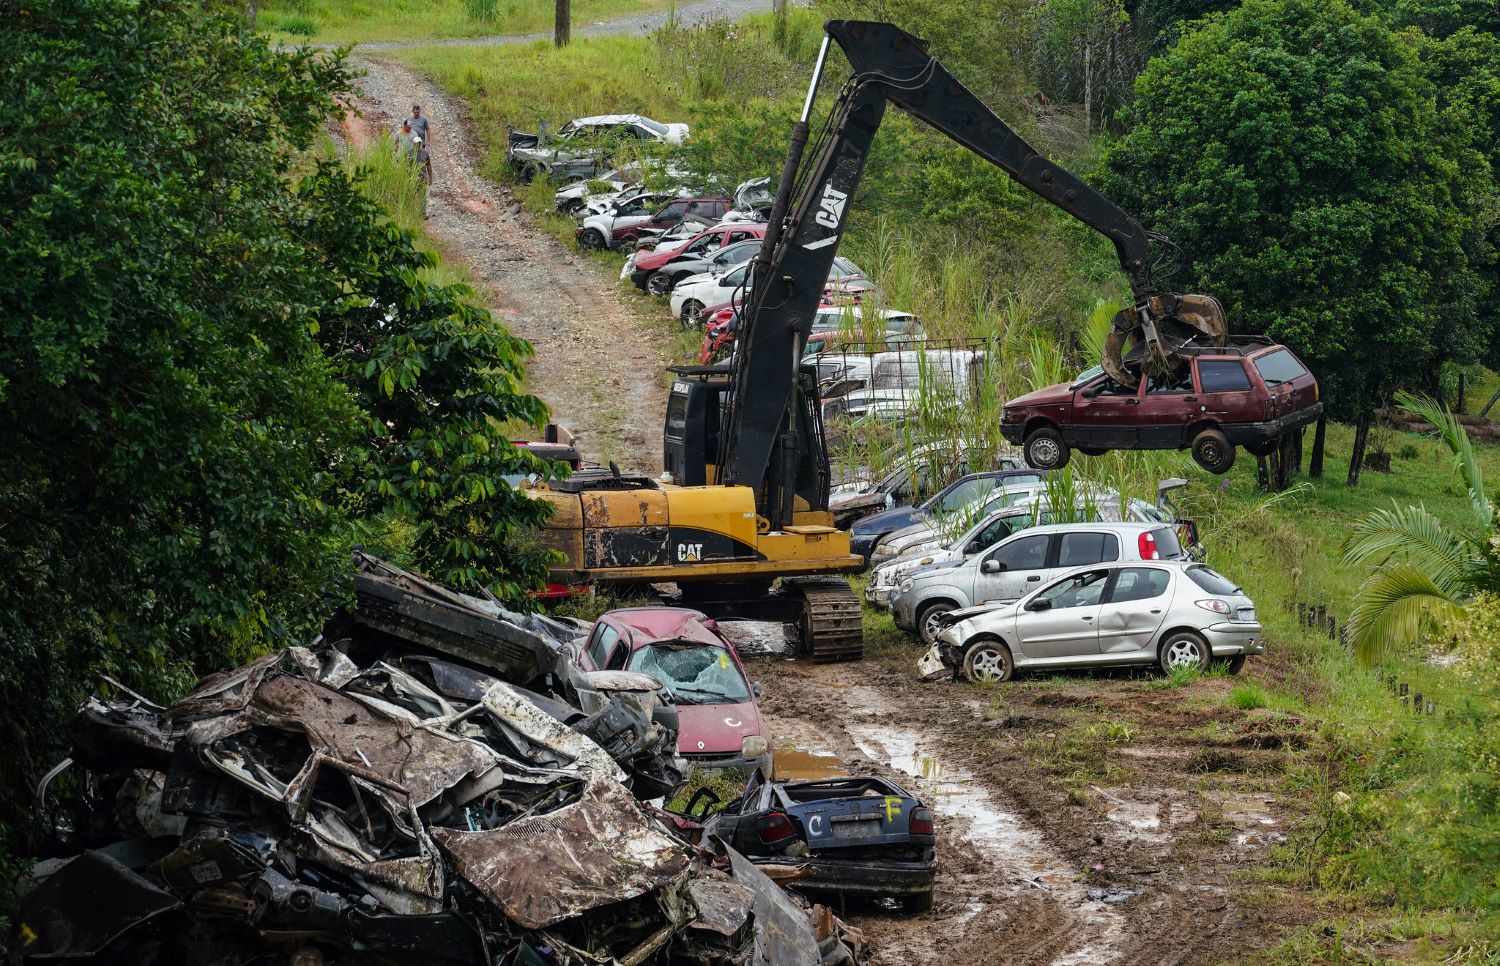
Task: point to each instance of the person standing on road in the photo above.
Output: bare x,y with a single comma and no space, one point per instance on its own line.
403,140
423,161
419,125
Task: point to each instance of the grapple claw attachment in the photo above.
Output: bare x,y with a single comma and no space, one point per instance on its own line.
1157,350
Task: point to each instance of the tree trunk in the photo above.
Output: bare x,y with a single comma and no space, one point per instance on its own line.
562,32
1262,474
1316,466
1088,89
1285,461
1357,458
1461,392
252,10
1297,451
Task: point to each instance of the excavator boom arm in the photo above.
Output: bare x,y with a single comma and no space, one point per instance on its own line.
890,66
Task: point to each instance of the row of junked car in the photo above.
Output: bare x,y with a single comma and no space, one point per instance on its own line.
439,780
988,574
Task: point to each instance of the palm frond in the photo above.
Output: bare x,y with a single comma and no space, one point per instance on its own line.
1457,440
1096,329
1419,538
1389,607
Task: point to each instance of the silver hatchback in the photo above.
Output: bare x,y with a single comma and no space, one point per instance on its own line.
1170,613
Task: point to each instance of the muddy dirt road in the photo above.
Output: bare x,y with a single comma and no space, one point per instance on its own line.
1081,819
597,366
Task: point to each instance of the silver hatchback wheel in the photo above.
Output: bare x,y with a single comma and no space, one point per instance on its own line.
928,623
1184,650
988,661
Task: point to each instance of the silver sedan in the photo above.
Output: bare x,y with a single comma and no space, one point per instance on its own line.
1168,613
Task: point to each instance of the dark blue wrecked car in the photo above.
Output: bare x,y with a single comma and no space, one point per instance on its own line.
842,837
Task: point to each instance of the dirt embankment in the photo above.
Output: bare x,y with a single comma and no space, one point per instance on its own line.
597,366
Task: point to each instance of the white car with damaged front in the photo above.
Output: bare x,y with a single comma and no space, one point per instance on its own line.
1168,613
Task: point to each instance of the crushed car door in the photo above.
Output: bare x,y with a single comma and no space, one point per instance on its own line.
1134,608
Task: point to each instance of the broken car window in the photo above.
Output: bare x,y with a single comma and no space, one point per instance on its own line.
1179,381
700,674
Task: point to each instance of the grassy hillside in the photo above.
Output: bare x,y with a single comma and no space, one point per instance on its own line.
354,21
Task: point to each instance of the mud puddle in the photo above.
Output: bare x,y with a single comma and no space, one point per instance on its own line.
1020,857
796,765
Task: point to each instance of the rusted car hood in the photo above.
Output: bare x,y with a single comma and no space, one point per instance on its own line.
1050,396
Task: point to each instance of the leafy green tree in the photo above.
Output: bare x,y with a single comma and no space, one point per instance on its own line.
219,367
1076,30
1297,153
1426,568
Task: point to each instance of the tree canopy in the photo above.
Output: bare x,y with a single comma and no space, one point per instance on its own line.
220,366
1301,156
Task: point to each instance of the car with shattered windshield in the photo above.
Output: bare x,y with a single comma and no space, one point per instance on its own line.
845,837
719,723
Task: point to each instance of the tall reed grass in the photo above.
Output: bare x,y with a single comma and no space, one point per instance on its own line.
391,180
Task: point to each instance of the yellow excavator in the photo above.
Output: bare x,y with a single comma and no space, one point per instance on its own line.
740,522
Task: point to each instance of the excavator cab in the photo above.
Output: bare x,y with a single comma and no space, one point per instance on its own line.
692,439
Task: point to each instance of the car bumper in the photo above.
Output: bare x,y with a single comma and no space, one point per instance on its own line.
729,762
638,277
904,611
879,595
1229,639
1014,433
856,877
863,544
1241,433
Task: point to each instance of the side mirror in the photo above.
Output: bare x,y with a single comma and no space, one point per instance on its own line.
974,547
757,690
1041,603
1089,393
991,567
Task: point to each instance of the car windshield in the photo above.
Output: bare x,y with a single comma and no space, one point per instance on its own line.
1086,376
1211,580
961,494
652,126
694,673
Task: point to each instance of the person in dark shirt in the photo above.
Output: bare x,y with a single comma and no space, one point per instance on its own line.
419,124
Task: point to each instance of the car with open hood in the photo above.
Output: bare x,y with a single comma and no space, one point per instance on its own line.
719,723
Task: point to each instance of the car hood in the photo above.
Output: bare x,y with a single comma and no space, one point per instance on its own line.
896,519
716,728
676,133
1050,396
965,614
935,569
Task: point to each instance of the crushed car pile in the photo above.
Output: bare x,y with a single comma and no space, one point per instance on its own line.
433,781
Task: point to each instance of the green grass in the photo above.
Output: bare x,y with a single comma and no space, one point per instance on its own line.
354,21
1248,696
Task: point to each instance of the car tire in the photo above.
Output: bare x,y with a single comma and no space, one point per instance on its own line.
1045,449
1183,649
529,171
927,628
692,317
917,902
574,207
659,283
592,238
989,661
1213,451
1234,665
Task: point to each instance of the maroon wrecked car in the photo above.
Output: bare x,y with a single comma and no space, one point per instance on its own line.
1247,393
719,724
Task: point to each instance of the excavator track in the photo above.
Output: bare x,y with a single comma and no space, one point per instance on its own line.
832,628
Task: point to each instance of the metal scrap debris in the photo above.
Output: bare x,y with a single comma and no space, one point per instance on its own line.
433,780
